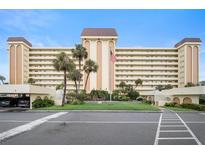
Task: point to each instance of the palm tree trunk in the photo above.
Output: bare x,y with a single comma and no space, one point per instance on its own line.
86,81
80,72
76,87
64,93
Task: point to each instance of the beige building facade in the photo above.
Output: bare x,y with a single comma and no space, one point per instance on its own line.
155,66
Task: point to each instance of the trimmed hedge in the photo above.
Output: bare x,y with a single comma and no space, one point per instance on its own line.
170,104
197,107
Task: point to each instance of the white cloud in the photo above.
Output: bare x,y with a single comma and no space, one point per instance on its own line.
43,41
27,20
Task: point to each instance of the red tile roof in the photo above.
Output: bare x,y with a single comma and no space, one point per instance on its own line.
19,39
187,40
99,32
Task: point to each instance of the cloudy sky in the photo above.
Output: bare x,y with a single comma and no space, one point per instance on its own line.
136,28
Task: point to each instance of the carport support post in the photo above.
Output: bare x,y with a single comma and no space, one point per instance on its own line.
30,102
110,95
155,97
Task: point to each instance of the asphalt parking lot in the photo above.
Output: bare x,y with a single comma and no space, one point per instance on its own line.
101,128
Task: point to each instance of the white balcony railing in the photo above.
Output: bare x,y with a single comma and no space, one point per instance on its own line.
145,53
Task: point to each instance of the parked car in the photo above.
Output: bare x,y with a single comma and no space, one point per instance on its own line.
23,102
8,102
5,103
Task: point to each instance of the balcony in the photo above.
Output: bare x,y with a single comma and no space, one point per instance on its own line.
146,73
146,68
146,58
49,52
145,63
148,83
128,53
147,79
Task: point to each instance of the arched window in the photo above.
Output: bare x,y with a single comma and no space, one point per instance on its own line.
38,98
187,100
176,100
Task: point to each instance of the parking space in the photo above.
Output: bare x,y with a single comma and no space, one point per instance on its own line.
105,128
9,120
88,134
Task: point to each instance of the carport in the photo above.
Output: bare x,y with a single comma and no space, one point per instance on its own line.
30,91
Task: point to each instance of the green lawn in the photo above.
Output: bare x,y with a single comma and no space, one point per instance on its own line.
105,106
178,109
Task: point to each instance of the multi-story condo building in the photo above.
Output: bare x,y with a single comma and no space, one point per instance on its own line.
155,66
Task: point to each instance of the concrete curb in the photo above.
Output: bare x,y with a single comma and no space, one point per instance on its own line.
105,111
13,110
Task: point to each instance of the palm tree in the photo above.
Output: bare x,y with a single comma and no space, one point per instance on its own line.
123,86
138,82
89,67
31,81
63,63
79,53
168,86
75,75
190,84
59,86
159,87
2,79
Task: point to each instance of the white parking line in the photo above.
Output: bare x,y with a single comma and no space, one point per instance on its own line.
172,126
174,131
171,122
158,130
176,138
196,139
169,119
28,126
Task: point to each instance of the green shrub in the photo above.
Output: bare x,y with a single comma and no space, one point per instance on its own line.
172,104
81,96
76,102
202,107
147,102
197,107
192,106
133,94
97,95
46,102
124,98
177,105
70,96
115,95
